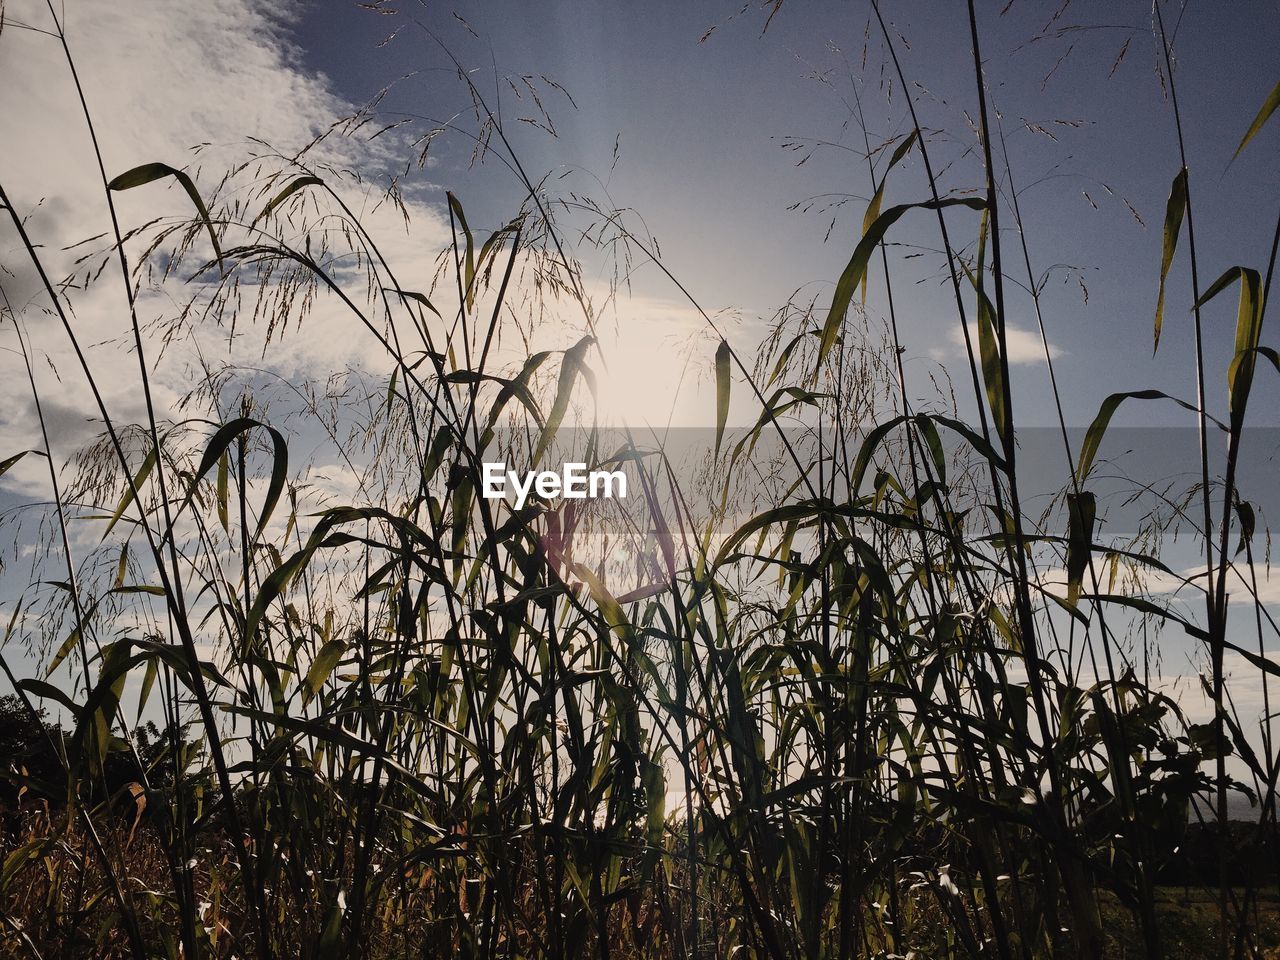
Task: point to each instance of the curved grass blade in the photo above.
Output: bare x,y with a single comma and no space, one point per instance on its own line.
1248,332
1264,114
149,172
1174,211
414,296
217,448
992,363
322,666
294,185
8,462
873,208
1082,510
857,268
138,480
1097,429
73,638
722,390
570,367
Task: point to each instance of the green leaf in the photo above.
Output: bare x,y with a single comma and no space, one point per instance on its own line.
469,259
782,400
1267,353
47,691
93,729
185,667
655,795
13,621
609,607
1082,511
1097,429
570,367
1248,331
993,369
1265,664
223,491
1143,605
332,733
992,366
10,461
857,268
139,588
934,443
122,565
217,449
517,387
873,208
148,682
723,354
323,665
1248,523
20,856
73,638
138,480
294,185
150,172
491,246
274,585
414,296
877,434
777,515
643,593
1264,114
1174,210
440,443
784,356
329,946
461,499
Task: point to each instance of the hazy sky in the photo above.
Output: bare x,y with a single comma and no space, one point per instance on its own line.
701,127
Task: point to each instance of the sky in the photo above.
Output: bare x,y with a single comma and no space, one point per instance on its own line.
702,121
738,148
695,117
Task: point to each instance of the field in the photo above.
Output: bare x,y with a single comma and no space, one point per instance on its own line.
830,682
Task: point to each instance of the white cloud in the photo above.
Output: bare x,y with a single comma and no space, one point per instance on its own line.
160,78
1024,346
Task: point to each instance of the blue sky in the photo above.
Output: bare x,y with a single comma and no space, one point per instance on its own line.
700,128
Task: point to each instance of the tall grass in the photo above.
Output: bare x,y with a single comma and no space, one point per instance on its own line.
843,717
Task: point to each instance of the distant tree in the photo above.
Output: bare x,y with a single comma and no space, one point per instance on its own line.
27,753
